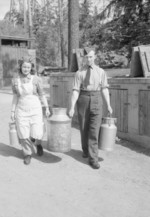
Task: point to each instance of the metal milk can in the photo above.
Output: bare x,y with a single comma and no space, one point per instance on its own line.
59,131
108,131
13,137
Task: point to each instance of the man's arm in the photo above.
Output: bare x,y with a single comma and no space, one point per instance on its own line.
74,98
105,93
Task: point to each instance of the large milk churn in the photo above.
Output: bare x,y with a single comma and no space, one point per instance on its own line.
107,134
13,137
59,131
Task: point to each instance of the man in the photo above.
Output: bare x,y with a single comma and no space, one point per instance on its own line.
88,85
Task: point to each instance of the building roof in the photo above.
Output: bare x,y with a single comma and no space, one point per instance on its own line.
15,38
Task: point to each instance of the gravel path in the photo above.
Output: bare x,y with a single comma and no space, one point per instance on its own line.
63,185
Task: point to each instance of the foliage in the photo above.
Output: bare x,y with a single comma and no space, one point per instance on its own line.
6,28
130,26
120,26
45,38
86,21
45,30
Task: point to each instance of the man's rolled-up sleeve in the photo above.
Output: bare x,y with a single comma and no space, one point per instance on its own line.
104,80
77,81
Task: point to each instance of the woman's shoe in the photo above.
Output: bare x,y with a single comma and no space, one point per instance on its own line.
39,150
27,159
32,139
94,165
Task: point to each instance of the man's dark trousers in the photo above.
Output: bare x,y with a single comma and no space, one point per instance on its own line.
89,106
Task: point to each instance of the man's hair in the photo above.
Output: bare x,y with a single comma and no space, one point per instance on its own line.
88,49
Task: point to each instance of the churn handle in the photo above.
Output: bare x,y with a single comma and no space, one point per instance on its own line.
109,115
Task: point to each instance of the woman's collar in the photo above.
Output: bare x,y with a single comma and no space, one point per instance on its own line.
26,76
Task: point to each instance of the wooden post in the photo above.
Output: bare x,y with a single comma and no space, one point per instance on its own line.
24,14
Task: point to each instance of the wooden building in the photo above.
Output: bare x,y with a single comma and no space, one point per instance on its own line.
11,50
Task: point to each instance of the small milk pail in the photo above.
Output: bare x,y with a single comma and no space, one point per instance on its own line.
13,137
59,131
107,135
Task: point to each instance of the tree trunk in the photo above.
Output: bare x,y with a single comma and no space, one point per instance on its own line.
73,28
24,14
30,22
60,6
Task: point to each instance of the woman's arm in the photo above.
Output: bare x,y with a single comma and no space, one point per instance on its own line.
13,106
14,102
42,96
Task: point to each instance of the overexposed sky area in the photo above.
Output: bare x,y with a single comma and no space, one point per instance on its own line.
5,5
4,8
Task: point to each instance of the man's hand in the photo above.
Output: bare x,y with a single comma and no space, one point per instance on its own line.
110,109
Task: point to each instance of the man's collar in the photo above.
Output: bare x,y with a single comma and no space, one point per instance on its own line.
91,67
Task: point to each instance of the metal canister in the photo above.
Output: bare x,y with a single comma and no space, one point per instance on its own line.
107,136
13,136
59,131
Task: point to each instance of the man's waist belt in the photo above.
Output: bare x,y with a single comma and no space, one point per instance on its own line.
90,93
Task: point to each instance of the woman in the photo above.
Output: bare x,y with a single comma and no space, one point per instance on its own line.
26,108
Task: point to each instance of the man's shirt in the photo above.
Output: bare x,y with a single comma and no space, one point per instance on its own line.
90,78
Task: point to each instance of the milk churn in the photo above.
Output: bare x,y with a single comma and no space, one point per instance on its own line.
59,131
13,137
107,134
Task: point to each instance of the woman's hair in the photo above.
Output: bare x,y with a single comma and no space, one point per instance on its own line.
26,59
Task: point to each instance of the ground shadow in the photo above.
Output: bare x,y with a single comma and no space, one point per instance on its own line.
77,155
134,147
48,157
9,151
100,159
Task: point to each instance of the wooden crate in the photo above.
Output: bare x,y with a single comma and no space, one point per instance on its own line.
140,61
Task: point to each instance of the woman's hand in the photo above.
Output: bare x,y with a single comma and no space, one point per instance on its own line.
47,112
71,112
13,116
